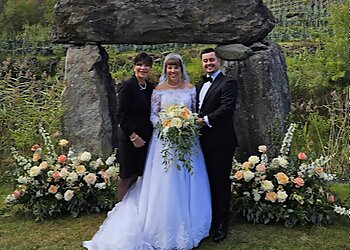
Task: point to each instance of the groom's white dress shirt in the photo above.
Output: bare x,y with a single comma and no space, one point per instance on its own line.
204,91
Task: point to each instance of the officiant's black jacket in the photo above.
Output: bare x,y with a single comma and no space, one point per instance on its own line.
219,104
134,108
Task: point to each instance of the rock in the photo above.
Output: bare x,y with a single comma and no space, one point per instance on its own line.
259,46
232,52
154,21
89,101
264,100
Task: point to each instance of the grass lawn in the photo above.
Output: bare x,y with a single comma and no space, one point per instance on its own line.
20,233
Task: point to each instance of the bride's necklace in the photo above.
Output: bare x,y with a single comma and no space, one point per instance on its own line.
174,86
142,86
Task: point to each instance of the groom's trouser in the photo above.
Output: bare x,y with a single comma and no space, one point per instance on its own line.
219,164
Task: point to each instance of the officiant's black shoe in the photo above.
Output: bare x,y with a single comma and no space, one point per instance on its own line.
220,233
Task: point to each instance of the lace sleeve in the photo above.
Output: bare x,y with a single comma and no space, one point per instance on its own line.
194,100
155,107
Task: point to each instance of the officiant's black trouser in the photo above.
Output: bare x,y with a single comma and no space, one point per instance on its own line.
219,164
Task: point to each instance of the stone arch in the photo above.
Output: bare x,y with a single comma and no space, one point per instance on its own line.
237,27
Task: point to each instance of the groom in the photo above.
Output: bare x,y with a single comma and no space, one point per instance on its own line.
216,98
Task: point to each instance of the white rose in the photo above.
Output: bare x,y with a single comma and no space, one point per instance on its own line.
256,194
22,180
281,196
110,160
72,177
63,143
90,178
85,156
64,173
68,195
58,196
253,159
112,172
248,175
176,122
34,171
10,198
267,185
101,185
99,162
282,162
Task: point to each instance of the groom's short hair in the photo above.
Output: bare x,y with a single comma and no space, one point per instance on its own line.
208,50
144,58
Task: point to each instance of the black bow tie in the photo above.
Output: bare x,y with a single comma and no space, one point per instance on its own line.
207,79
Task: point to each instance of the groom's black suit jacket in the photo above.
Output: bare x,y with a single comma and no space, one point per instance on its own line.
219,104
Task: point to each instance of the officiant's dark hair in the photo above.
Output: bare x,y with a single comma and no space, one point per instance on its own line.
143,57
208,50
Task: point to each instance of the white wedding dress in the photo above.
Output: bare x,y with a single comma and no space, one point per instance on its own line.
164,210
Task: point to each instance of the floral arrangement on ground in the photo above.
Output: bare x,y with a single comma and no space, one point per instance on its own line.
52,184
292,190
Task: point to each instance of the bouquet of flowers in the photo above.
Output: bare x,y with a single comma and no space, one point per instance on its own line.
285,189
178,130
50,184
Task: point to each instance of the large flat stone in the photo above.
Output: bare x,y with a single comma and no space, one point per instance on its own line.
155,21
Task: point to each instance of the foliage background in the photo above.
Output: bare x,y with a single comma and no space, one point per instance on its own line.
313,34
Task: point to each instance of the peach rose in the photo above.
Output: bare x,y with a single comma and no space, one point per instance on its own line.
246,165
302,156
53,189
62,159
36,156
43,165
282,178
185,113
80,169
260,168
299,182
35,147
238,175
262,149
319,170
271,196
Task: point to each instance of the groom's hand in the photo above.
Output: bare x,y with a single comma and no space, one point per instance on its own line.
200,121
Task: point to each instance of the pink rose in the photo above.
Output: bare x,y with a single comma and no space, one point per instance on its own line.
302,156
35,147
56,175
330,198
61,159
299,182
260,168
16,193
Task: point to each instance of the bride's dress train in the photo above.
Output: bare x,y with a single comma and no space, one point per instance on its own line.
164,209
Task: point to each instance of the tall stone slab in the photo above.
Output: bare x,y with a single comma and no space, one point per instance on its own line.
264,99
158,21
89,101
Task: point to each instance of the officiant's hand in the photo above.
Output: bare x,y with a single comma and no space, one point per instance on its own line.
137,140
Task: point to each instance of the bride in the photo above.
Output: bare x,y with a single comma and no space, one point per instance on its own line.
165,209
